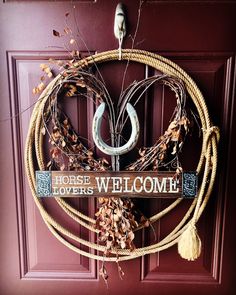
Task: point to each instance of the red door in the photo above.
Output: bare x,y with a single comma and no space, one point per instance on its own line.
200,37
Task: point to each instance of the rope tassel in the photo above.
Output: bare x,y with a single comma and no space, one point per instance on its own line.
189,244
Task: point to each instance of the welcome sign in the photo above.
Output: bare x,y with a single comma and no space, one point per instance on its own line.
116,184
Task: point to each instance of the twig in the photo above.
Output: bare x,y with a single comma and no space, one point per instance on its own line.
132,47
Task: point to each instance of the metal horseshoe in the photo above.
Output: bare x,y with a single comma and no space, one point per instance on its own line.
96,130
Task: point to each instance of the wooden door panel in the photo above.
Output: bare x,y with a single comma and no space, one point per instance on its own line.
211,73
197,35
26,67
41,254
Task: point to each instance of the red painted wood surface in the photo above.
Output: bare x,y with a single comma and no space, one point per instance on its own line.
197,35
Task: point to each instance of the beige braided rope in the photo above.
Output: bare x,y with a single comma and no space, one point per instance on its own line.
207,162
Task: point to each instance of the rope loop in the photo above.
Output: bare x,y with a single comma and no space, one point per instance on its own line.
207,162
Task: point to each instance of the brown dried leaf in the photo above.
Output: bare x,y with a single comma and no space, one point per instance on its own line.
41,86
175,135
141,152
115,217
56,33
67,30
174,150
43,130
50,75
81,83
72,90
65,122
120,271
103,274
62,167
75,54
89,153
43,67
122,245
35,90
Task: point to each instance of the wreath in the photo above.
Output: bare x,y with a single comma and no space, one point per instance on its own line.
117,219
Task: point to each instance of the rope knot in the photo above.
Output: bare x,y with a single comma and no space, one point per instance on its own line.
212,130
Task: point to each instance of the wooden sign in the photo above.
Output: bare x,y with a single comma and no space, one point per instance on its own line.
116,184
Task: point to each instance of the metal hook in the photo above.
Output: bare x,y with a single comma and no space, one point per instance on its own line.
96,130
119,26
119,23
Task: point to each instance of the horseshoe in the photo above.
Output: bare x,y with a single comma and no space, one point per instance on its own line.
96,130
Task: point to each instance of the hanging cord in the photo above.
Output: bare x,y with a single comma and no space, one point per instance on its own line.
120,44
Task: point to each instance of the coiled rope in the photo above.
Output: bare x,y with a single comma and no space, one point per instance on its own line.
207,162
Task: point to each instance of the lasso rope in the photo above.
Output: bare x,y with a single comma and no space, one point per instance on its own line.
207,162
